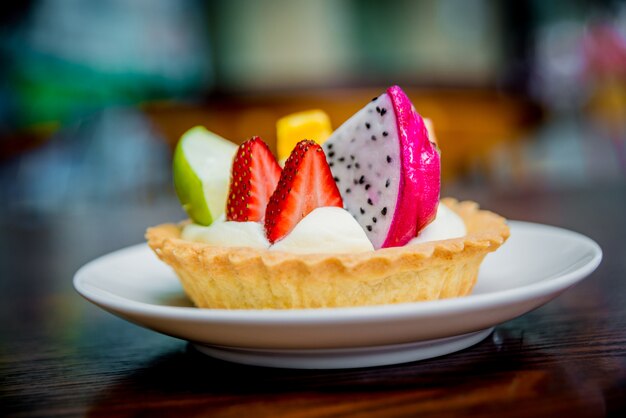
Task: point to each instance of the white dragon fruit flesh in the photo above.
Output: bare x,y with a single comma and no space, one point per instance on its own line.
387,169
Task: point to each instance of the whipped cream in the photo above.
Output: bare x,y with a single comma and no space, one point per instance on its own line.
324,230
327,229
447,225
224,233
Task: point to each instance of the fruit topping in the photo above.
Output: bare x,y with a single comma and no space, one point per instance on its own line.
430,127
305,184
387,169
254,177
201,166
291,129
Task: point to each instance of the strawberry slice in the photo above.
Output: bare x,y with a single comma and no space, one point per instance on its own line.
254,176
306,183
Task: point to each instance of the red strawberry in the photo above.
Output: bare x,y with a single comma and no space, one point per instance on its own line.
254,176
306,183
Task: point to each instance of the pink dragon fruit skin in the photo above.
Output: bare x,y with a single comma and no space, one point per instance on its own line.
421,174
386,168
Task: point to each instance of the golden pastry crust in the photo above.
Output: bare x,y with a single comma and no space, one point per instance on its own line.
246,278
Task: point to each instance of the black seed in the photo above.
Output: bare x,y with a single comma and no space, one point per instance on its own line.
355,181
374,219
369,202
352,157
349,166
330,164
385,133
348,190
374,99
362,211
341,159
331,154
367,187
369,228
387,183
336,179
367,125
384,211
377,109
362,180
383,111
388,159
329,146
357,165
373,137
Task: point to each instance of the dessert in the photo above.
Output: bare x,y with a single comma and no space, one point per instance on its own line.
354,222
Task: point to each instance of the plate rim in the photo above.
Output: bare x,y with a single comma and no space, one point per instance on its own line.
451,306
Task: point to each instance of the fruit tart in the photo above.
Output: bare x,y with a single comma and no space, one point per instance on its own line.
353,217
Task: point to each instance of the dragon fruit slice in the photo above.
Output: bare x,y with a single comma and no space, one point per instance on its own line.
386,168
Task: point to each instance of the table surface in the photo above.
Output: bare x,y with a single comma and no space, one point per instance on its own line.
60,355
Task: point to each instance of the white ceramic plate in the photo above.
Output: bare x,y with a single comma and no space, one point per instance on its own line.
536,264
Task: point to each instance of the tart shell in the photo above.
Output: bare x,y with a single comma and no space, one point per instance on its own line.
246,278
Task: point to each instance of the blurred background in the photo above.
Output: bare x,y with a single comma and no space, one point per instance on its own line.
94,94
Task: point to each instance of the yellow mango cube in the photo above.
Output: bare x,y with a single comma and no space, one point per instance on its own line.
291,129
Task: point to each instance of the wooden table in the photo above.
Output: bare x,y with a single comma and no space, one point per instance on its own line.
61,356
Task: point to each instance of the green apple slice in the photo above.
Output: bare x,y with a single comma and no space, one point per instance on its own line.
201,167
